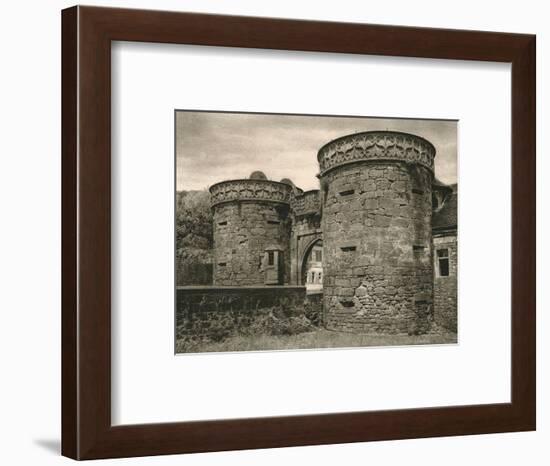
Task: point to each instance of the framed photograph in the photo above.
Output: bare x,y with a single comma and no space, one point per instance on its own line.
264,243
358,249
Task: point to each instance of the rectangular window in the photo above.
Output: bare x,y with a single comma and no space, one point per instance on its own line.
348,248
318,256
443,262
270,257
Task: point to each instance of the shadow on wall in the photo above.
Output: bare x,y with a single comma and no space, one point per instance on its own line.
50,445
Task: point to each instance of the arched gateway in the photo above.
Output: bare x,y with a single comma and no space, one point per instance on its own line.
312,267
364,240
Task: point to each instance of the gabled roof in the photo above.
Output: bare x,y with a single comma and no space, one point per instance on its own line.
446,217
437,184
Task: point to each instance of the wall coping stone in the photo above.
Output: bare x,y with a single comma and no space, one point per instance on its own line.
237,288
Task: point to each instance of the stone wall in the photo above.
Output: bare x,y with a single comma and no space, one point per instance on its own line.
445,288
242,233
306,231
373,214
211,312
250,217
377,243
307,203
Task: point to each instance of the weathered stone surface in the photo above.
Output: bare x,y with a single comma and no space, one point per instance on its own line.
204,312
251,216
445,288
250,190
376,145
382,244
373,217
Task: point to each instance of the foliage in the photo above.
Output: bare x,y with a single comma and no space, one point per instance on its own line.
318,338
193,220
194,238
214,322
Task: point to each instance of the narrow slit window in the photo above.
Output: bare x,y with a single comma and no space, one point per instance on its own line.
273,222
222,264
417,191
443,262
418,248
348,192
222,223
270,257
348,248
347,303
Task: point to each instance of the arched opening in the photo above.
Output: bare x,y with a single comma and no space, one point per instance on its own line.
312,267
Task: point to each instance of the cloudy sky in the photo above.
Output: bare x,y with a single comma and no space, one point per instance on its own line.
212,147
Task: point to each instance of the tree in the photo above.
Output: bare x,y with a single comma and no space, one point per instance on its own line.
194,238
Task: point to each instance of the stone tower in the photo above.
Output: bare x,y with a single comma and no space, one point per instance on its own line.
251,231
376,190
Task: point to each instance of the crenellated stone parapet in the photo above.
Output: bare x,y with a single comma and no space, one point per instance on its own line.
250,190
307,203
373,146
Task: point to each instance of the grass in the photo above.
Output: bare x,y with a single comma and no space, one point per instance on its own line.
320,338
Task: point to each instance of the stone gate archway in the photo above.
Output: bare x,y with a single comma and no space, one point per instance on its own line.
311,266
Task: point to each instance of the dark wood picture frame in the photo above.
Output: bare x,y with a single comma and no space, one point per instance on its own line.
87,33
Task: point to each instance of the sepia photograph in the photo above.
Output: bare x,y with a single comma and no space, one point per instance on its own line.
314,231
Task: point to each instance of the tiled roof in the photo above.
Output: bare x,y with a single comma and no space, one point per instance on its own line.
447,216
439,184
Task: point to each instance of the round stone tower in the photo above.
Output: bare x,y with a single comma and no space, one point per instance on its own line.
251,231
376,194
